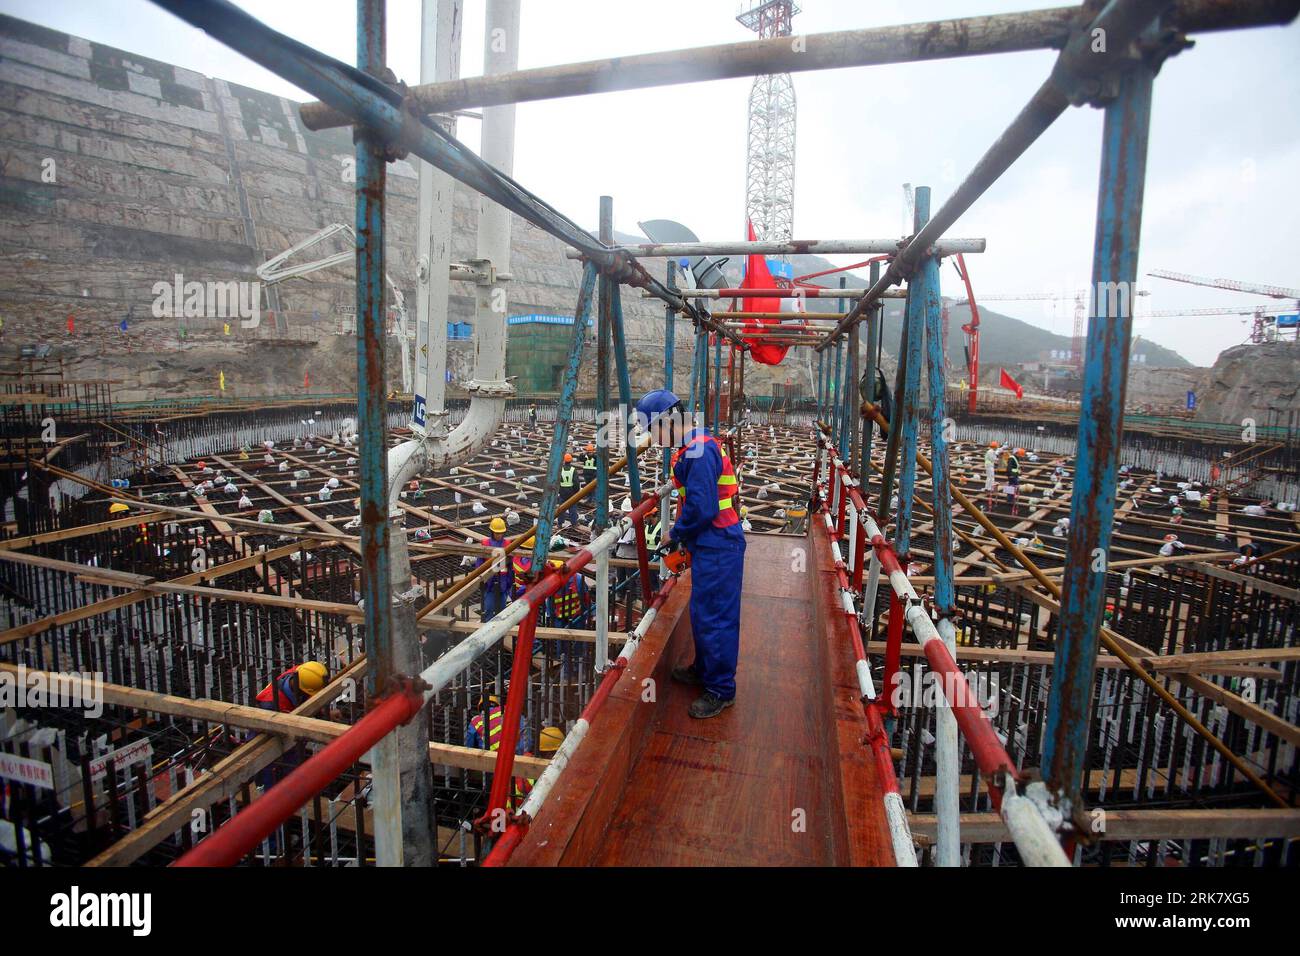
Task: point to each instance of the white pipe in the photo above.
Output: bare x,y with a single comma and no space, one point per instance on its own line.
899,831
602,612
439,61
489,388
784,247
865,684
1034,837
947,807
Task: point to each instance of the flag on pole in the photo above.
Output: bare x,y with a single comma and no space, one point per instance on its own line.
306,379
72,326
1011,384
758,276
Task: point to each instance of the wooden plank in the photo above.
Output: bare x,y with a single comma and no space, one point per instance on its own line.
1236,823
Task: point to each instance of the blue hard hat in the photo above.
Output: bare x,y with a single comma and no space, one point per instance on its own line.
653,404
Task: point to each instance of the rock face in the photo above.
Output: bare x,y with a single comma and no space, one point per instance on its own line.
120,173
1260,382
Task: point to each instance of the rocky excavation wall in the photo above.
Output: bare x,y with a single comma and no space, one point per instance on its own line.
119,172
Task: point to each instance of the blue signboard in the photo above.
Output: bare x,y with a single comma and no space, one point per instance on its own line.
1288,321
1191,401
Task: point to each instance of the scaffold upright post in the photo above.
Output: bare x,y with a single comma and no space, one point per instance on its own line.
907,409
924,295
1092,506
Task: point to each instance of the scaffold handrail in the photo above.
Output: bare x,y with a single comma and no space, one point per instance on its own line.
847,517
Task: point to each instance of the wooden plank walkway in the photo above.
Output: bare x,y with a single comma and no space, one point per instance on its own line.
760,784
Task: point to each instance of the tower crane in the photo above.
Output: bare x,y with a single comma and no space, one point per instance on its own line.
1263,318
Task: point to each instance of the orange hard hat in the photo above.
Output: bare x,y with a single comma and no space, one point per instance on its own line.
590,447
568,457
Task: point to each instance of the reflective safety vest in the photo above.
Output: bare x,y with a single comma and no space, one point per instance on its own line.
589,463
501,579
495,721
283,697
727,514
568,600
566,476
653,535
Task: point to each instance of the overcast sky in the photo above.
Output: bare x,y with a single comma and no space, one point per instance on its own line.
1223,175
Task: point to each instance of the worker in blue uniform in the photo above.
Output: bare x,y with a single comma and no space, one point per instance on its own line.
708,526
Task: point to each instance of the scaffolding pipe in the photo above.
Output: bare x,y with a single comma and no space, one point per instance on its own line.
227,845
786,247
1101,422
1048,29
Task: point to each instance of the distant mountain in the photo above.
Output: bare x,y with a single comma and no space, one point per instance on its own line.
1004,341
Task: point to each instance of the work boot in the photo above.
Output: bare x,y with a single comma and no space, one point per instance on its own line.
687,675
709,705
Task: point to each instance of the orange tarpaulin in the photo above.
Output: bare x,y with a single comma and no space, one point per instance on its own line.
758,276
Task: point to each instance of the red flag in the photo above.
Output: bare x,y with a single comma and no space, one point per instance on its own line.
306,379
1010,383
71,325
757,276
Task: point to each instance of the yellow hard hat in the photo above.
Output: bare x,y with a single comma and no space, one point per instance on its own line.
550,739
491,699
117,508
557,563
312,677
530,542
498,526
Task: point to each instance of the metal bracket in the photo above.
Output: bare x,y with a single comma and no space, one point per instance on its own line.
1100,89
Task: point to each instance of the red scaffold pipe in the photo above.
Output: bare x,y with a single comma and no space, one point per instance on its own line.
514,834
240,835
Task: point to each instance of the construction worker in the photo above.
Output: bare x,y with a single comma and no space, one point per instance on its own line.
532,415
1013,479
570,606
990,464
708,526
521,562
589,464
498,585
293,687
491,740
285,694
568,487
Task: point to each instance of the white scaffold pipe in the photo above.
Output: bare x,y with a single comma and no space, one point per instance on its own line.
537,796
865,684
1027,819
787,247
900,833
